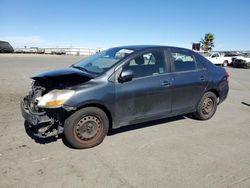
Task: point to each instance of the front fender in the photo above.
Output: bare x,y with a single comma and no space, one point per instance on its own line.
102,94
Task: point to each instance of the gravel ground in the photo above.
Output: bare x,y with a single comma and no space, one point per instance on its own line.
176,152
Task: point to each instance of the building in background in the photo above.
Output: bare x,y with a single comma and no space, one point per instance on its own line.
58,51
81,51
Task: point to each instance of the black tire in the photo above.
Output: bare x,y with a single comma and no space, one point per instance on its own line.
205,111
86,128
225,63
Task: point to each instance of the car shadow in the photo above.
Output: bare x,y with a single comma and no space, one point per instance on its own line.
39,140
146,124
110,133
245,103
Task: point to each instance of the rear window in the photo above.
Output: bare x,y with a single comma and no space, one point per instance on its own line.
199,63
182,61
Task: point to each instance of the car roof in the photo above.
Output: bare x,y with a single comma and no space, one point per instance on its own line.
143,47
3,41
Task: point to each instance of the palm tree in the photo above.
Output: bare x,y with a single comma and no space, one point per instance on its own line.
207,43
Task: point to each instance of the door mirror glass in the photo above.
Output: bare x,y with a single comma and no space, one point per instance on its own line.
126,75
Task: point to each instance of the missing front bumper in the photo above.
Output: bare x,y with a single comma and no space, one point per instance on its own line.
42,125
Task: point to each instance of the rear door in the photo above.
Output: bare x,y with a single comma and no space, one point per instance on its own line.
189,80
148,94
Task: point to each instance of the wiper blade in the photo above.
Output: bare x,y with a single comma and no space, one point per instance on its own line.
81,68
84,70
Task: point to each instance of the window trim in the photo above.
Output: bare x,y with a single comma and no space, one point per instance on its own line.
150,76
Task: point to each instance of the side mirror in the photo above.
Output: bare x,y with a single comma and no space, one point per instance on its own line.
126,75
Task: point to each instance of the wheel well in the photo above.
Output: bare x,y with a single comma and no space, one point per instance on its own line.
215,92
102,107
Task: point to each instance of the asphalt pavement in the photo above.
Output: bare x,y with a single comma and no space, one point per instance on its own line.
176,152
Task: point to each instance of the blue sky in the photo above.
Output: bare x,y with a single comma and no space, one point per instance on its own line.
107,23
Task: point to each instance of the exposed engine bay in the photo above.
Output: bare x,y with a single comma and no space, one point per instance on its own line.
46,122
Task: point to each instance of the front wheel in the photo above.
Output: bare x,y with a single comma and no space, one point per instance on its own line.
206,107
86,128
225,63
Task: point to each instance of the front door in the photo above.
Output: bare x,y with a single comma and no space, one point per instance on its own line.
148,94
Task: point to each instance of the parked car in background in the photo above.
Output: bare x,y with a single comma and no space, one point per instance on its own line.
58,52
122,86
31,50
37,50
5,47
218,58
242,61
26,50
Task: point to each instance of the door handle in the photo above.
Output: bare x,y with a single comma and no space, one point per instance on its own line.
165,83
202,78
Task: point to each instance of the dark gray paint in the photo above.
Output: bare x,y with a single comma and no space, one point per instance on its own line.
152,97
141,99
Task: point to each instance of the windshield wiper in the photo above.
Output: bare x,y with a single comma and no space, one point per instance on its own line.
81,68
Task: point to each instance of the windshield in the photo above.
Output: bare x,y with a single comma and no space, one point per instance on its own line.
102,61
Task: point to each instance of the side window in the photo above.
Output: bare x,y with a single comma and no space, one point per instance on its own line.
200,64
215,55
182,61
147,64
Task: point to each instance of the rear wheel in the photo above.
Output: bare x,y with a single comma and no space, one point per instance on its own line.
206,107
86,128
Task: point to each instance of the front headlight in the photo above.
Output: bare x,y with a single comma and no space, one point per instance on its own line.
55,98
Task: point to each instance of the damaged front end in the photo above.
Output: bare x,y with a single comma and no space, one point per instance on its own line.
43,107
43,123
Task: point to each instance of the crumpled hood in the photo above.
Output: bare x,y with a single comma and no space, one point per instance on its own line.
68,72
61,78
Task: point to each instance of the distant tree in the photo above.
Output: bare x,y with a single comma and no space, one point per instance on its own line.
207,43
